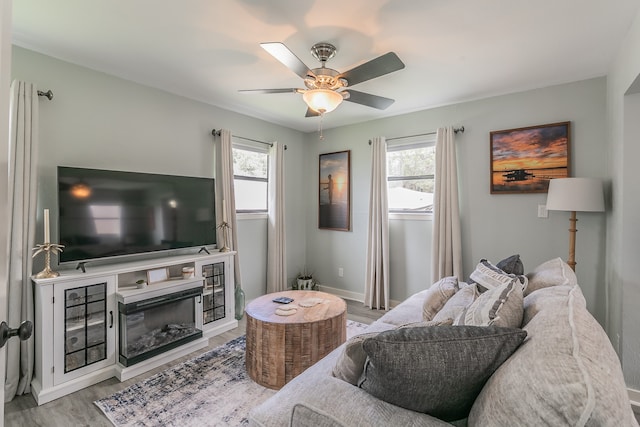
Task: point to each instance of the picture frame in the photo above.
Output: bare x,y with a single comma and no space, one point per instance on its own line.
157,275
523,160
334,191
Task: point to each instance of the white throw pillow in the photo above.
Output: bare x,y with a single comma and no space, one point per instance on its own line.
500,306
461,300
437,295
488,276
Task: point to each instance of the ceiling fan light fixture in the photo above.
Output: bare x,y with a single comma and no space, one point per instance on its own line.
80,190
322,100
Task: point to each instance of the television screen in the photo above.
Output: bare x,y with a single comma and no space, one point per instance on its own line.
106,213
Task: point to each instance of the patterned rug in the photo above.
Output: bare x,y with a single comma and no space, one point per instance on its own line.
212,389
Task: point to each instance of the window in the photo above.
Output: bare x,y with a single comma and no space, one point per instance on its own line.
250,177
107,219
410,174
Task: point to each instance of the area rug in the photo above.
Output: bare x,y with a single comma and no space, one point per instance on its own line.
212,389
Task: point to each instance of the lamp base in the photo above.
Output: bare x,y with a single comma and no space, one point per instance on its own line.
572,240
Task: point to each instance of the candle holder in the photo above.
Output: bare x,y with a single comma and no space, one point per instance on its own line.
47,248
224,227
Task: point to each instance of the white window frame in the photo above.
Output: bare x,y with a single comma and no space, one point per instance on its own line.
256,147
407,144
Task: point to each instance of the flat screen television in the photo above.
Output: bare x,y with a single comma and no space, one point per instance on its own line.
106,213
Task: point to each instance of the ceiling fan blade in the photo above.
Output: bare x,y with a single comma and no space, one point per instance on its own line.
385,64
287,90
311,113
289,59
369,100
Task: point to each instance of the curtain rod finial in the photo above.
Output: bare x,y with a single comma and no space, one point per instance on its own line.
48,94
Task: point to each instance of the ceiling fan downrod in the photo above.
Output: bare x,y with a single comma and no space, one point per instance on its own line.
323,52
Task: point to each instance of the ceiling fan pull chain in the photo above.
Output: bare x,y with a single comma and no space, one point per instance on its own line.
321,137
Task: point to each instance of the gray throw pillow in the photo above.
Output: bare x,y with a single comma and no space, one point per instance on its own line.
435,370
350,362
511,265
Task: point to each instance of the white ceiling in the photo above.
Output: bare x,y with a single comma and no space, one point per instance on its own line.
454,50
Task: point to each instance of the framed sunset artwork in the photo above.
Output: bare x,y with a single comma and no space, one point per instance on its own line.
334,192
523,160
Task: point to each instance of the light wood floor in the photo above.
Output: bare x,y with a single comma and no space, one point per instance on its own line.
77,409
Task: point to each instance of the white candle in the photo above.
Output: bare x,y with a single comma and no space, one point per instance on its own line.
46,226
224,211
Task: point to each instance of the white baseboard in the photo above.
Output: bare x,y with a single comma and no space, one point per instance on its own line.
353,296
634,397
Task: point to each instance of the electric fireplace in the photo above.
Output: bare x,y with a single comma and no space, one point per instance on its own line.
151,326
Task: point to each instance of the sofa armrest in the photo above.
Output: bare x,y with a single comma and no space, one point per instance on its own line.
347,404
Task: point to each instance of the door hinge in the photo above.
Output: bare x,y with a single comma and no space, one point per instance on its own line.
53,369
53,300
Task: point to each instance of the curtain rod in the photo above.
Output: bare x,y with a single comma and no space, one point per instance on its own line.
48,94
455,130
217,133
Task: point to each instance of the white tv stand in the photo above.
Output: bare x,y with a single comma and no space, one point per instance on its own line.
77,321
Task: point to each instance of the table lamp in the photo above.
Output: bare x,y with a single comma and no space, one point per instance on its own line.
575,194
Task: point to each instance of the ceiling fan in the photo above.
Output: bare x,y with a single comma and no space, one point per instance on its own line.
326,87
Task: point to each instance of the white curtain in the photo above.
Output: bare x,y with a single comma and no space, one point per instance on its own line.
22,216
377,274
229,200
447,246
277,249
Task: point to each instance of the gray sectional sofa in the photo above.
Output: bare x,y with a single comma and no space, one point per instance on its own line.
565,372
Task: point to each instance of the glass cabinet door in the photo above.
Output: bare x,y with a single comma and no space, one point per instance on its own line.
84,311
213,298
85,326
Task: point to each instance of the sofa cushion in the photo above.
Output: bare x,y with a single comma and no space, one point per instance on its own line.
511,265
317,388
437,295
566,373
550,273
435,370
461,300
307,416
488,276
500,306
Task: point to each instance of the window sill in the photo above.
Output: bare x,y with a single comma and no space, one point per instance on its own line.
406,216
240,216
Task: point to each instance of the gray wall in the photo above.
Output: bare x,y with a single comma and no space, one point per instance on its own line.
95,118
100,121
493,226
623,226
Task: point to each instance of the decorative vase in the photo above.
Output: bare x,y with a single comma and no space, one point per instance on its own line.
239,295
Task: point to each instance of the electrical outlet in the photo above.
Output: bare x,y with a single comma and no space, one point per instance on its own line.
542,211
340,272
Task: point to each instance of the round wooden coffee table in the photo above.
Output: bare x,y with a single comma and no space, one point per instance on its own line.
281,347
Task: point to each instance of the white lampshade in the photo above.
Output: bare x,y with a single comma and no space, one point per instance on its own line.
575,194
322,100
